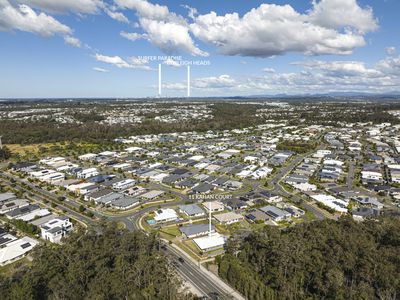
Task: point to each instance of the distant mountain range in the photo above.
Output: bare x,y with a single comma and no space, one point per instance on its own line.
328,96
333,94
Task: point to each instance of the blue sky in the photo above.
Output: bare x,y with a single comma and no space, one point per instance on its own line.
95,48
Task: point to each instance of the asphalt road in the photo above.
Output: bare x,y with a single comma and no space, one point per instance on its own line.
185,268
38,193
195,276
350,175
277,188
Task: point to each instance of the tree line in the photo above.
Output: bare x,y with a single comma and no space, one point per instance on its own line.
318,260
225,116
113,264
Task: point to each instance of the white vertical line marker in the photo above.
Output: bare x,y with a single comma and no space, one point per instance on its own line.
159,80
209,215
188,81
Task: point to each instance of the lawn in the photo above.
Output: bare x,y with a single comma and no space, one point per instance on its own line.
230,229
309,216
258,226
192,246
10,269
171,230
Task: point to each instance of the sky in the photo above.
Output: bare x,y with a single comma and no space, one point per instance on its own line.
112,48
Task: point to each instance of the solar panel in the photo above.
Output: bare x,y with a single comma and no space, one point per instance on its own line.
26,245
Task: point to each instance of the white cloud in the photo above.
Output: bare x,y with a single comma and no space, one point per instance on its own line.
391,50
148,10
132,36
269,70
192,12
276,29
117,61
62,6
338,14
118,16
390,65
206,83
24,18
222,81
173,63
100,70
341,68
139,63
315,76
70,40
164,29
170,37
113,60
178,86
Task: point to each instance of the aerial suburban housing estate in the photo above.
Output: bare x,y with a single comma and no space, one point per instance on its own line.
199,190
210,150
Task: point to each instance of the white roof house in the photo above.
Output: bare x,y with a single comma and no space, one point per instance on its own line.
55,229
371,175
66,167
332,202
196,157
16,250
305,187
322,153
151,195
87,156
165,215
228,218
86,173
228,153
133,149
53,177
244,173
153,153
333,162
34,214
7,196
212,167
214,205
251,159
108,153
261,173
52,160
201,165
124,184
81,188
12,204
121,166
158,177
210,242
41,173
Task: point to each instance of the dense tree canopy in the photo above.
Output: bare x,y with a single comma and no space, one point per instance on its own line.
112,265
319,260
226,116
5,153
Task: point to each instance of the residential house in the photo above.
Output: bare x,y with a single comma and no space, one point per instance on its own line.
196,230
87,173
275,213
165,215
191,210
215,206
16,249
54,230
255,215
228,218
